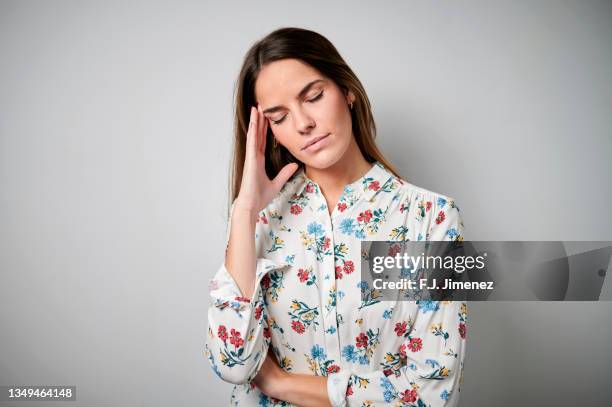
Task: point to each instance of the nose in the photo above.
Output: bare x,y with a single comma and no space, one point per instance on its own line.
303,122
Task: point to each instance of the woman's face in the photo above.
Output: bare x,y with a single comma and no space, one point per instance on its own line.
303,106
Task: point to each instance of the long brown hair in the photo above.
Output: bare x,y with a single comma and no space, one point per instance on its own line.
314,49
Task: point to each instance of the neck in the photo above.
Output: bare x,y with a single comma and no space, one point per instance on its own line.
347,170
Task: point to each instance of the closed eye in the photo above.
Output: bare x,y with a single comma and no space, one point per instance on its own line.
319,96
314,99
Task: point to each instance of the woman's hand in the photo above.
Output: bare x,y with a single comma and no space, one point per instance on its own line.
271,377
256,189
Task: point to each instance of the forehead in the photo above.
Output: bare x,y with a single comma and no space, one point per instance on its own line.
282,80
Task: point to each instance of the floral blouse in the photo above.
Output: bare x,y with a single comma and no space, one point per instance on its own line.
308,301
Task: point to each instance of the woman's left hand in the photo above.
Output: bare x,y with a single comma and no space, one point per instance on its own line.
271,377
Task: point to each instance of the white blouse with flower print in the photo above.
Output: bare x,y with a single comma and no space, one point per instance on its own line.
308,303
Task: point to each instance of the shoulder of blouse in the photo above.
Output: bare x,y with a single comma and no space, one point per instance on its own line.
407,190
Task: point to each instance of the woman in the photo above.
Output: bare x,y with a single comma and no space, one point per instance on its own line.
287,323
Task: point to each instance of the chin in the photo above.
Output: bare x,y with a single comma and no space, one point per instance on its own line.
324,159
320,163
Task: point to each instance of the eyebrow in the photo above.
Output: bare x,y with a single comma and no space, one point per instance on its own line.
304,90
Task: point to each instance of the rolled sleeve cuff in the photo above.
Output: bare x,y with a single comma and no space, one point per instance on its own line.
336,388
225,292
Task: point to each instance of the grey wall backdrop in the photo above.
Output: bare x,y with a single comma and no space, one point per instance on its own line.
115,128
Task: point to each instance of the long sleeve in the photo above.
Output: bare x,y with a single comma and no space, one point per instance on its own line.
238,335
433,347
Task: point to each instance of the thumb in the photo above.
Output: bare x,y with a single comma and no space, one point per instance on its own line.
283,175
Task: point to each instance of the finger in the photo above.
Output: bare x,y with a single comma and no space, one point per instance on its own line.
265,135
260,127
251,146
264,131
283,175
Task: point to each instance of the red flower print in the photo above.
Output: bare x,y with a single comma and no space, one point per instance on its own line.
409,396
440,218
309,187
462,330
394,249
303,275
258,312
349,390
265,281
428,205
222,333
297,326
235,338
333,369
243,299
296,209
338,272
400,328
362,340
326,243
388,372
415,344
341,206
266,332
402,351
349,266
365,216
374,186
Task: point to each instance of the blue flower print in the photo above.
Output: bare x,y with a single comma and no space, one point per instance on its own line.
348,353
432,362
388,390
347,226
317,352
428,305
444,395
315,228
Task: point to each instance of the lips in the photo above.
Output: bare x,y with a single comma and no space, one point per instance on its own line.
314,140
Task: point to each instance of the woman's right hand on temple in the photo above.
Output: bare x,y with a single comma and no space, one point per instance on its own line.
256,189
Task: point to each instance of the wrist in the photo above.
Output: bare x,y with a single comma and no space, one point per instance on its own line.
245,211
283,386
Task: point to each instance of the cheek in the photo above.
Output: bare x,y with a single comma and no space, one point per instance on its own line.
335,113
290,142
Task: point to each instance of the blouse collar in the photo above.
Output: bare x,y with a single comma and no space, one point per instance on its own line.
368,185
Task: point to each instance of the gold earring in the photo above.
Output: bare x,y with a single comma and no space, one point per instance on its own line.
351,105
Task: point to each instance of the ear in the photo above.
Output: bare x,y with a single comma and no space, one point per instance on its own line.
350,97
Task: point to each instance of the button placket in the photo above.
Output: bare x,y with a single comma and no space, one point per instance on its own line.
328,295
